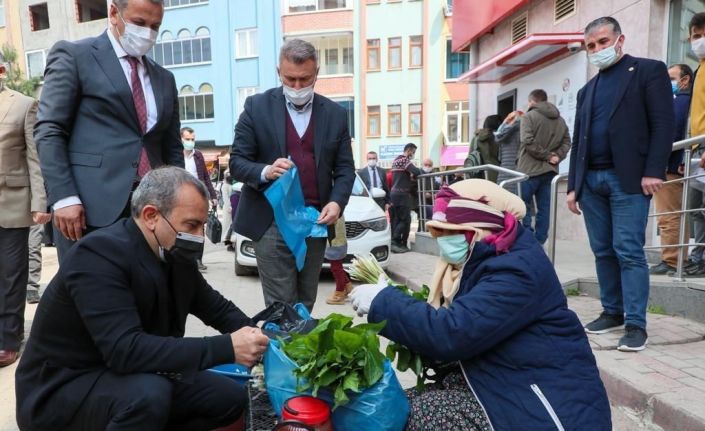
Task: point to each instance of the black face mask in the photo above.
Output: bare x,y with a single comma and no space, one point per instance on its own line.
187,248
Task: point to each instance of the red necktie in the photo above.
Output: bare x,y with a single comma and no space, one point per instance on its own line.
141,108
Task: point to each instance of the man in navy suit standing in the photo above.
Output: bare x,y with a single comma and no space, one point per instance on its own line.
286,126
621,143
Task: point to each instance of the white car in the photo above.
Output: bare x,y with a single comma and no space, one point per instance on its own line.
366,228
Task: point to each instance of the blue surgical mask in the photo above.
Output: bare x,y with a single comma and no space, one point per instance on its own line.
674,87
189,144
453,248
605,58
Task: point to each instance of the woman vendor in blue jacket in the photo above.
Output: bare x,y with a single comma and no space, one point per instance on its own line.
497,310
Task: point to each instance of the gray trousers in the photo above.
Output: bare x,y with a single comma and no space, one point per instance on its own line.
35,257
277,269
696,199
13,286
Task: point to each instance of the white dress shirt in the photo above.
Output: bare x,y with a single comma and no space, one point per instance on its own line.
190,163
148,98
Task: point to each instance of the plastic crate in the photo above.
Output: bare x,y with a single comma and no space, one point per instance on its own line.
260,415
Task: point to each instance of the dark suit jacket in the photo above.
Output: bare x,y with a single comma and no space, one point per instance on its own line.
260,139
203,175
114,305
364,174
88,135
640,128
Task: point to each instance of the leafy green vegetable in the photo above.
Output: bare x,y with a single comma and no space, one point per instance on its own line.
337,356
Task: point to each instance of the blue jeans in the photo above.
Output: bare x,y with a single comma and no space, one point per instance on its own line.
616,226
539,186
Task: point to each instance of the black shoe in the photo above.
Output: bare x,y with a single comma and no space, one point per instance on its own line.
398,249
698,271
690,265
32,297
605,323
230,248
201,266
634,340
661,269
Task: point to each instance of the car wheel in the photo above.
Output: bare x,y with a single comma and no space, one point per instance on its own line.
242,270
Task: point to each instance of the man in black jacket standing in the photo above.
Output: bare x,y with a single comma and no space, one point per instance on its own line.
622,138
107,348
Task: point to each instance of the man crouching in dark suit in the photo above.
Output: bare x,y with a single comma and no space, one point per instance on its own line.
107,347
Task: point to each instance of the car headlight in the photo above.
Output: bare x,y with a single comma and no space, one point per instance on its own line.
377,225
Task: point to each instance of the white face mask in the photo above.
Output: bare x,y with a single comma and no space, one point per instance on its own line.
698,47
136,40
605,58
427,169
189,144
299,97
372,163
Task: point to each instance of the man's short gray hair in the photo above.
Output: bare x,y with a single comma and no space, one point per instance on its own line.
160,187
298,51
122,4
605,20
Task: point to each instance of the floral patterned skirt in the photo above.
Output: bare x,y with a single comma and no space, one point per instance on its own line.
448,405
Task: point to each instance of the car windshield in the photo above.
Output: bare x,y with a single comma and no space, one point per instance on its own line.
359,188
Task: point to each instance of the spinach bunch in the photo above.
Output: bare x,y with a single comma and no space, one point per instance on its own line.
337,356
408,359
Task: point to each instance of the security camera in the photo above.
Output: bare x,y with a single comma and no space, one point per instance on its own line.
574,46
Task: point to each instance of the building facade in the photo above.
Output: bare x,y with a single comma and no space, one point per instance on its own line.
520,45
220,52
329,25
11,30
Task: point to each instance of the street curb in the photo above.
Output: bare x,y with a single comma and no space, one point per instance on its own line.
653,403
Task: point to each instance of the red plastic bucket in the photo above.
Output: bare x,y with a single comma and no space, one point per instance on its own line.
308,410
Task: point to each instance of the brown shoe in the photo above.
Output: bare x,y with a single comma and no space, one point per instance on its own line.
337,298
348,288
7,357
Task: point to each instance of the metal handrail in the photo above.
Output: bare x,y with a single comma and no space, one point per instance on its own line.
516,178
687,145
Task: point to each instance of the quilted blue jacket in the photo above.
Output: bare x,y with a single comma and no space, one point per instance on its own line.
523,353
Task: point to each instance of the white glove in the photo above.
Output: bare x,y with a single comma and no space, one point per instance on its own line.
363,295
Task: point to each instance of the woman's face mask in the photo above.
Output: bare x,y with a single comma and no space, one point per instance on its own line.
453,248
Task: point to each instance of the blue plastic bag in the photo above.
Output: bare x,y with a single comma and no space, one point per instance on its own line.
383,407
294,219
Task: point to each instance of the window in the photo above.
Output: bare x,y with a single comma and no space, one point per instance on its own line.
457,123
393,120
314,5
349,106
372,54
335,54
196,105
457,63
678,33
373,121
184,49
242,94
520,28
90,10
39,17
415,51
2,13
449,8
36,62
394,53
415,118
177,3
563,9
246,43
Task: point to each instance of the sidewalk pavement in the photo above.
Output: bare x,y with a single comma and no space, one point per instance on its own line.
662,387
